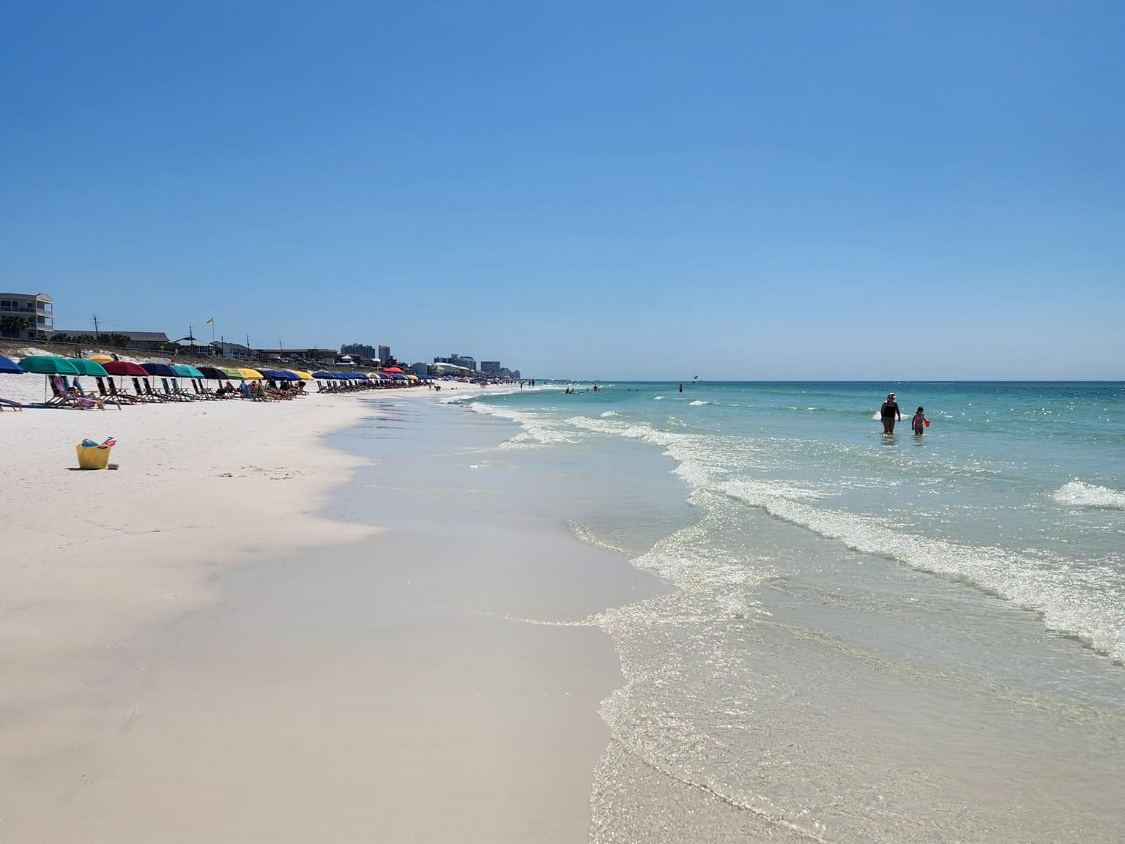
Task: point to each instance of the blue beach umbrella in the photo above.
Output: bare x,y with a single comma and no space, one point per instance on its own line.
9,366
160,370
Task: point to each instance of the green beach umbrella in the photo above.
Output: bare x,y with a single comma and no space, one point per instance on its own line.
89,367
50,365
185,371
233,374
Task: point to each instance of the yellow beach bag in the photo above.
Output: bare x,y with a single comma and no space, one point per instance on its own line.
93,458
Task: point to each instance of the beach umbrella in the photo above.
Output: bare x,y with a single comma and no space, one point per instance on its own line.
185,371
251,374
393,370
398,376
322,374
88,367
161,370
280,375
9,366
301,374
124,368
229,372
48,365
102,358
212,373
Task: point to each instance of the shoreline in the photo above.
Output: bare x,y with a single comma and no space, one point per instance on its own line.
70,703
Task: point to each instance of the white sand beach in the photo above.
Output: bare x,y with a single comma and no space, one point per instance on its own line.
195,651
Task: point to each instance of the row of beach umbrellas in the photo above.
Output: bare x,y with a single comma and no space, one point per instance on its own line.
101,366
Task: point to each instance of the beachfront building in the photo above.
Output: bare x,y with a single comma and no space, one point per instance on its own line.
140,341
233,351
193,346
322,356
27,316
420,369
384,354
491,368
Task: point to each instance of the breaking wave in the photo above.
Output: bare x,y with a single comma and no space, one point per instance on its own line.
1080,494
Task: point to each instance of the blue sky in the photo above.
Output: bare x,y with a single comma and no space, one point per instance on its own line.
646,190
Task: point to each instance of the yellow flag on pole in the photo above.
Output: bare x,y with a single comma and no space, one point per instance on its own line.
210,321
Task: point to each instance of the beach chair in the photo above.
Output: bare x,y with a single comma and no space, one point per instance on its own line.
149,393
110,394
97,399
60,395
123,393
14,405
174,392
66,396
202,391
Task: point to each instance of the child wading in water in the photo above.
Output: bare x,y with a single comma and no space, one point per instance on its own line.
920,421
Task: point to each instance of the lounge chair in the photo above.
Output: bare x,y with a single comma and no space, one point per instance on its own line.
65,396
111,396
101,400
123,393
149,393
173,394
14,405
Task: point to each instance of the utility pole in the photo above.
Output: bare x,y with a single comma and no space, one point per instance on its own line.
97,334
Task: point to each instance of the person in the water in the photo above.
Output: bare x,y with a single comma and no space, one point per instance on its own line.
890,413
919,422
681,388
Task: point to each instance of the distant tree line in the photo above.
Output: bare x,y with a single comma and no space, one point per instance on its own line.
12,325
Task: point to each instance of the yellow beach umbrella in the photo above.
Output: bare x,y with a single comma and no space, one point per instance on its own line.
101,358
300,373
250,374
412,377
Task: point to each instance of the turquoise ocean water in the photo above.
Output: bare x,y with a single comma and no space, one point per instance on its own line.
878,638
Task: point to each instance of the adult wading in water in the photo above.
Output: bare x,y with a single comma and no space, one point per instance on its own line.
890,413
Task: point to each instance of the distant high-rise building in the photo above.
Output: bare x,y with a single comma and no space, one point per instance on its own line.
459,360
361,349
384,353
491,368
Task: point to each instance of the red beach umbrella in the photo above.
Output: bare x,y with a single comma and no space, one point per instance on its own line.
124,367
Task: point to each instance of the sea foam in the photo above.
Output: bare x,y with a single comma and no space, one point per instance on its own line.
1080,494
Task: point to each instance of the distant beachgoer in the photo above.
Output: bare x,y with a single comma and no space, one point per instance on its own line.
890,413
681,388
919,422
